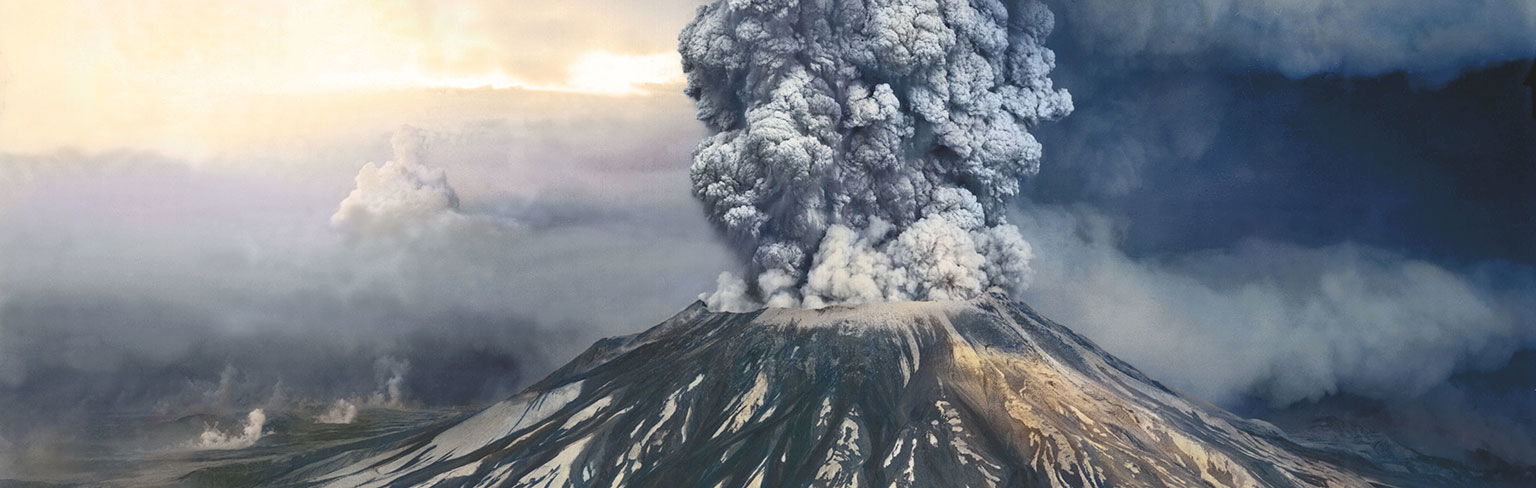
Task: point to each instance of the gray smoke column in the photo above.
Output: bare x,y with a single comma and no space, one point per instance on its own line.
863,150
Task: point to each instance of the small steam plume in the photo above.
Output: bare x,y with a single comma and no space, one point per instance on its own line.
341,412
864,150
215,439
391,373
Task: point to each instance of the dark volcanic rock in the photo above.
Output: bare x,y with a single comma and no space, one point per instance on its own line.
978,393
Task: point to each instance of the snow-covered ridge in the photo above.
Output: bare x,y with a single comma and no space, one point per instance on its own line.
978,393
894,314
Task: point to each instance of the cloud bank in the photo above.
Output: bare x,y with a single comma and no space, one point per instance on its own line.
1434,38
143,285
399,195
864,151
1278,321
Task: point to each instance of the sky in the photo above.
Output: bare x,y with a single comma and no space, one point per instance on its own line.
202,78
1283,207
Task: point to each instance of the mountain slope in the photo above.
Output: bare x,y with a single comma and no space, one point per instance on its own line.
978,393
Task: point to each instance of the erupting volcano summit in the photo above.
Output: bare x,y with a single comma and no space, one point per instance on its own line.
919,394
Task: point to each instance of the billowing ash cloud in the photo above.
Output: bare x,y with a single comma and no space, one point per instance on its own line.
864,150
1437,38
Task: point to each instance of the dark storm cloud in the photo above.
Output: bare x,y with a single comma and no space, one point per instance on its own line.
1444,172
1435,38
1483,417
77,356
93,370
1346,217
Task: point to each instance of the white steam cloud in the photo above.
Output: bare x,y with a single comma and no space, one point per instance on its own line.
1438,38
864,150
214,438
400,196
391,393
391,373
402,221
1277,321
341,412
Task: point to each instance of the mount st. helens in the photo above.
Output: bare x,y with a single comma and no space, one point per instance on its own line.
978,393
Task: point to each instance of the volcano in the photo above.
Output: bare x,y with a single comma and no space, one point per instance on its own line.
985,392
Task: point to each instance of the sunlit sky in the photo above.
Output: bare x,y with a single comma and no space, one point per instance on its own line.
196,78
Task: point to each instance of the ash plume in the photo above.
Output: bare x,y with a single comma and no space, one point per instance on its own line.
864,150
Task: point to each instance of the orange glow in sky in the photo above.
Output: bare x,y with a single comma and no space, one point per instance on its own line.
188,75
